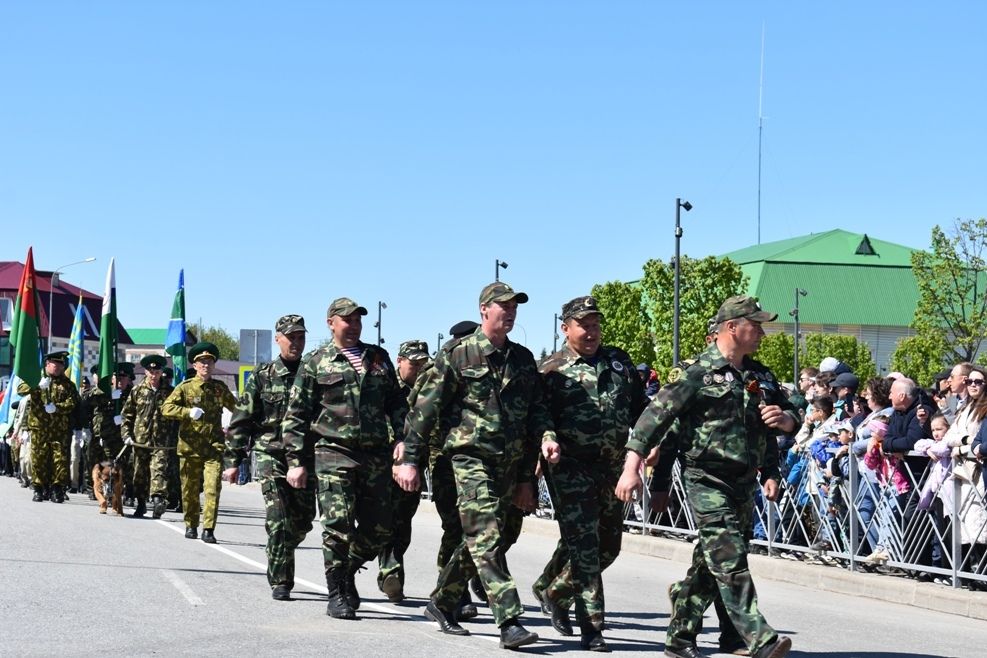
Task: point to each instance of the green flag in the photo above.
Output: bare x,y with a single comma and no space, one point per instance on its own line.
175,340
24,338
108,330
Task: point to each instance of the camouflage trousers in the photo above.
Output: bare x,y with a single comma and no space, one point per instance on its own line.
150,471
355,497
404,506
484,498
173,479
722,508
444,498
288,515
48,460
591,522
200,474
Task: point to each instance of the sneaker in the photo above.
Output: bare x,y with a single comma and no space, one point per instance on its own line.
821,545
879,555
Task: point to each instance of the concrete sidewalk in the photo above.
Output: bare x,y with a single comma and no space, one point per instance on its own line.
837,579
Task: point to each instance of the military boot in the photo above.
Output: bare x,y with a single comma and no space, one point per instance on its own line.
157,506
39,494
57,495
140,510
339,607
349,591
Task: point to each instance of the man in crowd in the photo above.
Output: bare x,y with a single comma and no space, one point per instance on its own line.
49,421
151,435
412,357
594,395
346,399
486,396
957,390
257,421
729,408
197,404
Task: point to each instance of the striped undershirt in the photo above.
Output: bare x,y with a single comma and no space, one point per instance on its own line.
355,356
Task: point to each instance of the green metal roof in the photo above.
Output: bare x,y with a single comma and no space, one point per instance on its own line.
852,279
151,336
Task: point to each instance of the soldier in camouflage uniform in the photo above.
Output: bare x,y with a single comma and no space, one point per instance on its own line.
486,395
198,404
729,408
107,423
173,479
257,421
53,402
151,435
594,396
346,399
412,357
92,449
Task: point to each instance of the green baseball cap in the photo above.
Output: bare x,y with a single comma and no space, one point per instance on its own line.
344,306
743,306
413,350
579,308
498,291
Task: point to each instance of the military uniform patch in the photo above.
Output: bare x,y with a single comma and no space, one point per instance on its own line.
618,366
728,376
718,378
674,375
707,379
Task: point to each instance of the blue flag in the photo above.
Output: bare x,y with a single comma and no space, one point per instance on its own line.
175,340
76,339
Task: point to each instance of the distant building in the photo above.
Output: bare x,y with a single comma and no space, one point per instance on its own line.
857,286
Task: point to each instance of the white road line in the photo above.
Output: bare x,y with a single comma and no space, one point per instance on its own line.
182,587
298,581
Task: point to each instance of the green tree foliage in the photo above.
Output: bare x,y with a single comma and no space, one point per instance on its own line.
704,284
952,285
847,349
777,353
920,357
229,347
624,322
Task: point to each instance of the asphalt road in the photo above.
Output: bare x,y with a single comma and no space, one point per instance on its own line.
73,582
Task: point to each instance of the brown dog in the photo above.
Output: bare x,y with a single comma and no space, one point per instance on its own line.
108,486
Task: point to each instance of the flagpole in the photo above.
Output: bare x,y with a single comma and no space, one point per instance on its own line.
51,290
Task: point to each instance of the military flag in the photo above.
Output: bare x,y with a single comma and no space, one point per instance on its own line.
76,352
175,339
25,341
108,330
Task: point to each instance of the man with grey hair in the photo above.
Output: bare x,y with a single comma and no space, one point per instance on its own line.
958,395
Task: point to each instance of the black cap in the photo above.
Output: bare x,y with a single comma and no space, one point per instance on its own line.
155,361
464,328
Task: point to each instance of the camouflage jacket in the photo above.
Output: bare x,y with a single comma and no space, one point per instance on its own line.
593,405
720,428
142,418
203,437
104,409
494,412
332,406
259,412
64,395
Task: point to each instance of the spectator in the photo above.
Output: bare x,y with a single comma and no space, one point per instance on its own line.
845,387
876,396
929,501
895,487
957,390
650,379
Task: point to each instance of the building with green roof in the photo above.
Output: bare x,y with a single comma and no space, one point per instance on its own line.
856,286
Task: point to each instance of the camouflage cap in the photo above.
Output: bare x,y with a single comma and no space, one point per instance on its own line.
289,324
579,308
344,306
498,291
711,326
60,356
153,361
743,306
203,350
413,350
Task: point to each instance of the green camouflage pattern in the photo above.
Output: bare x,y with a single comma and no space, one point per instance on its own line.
257,421
200,444
50,433
444,499
148,428
594,403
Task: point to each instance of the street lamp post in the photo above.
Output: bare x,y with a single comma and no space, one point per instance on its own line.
380,307
555,335
438,343
675,301
795,314
498,264
51,290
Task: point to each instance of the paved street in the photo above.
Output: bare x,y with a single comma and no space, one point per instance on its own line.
78,583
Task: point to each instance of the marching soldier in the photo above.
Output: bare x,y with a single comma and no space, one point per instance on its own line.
49,421
107,414
257,420
197,404
151,435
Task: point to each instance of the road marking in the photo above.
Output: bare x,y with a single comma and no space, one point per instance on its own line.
298,581
182,587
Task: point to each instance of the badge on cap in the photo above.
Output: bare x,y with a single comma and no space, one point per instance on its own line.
707,379
618,366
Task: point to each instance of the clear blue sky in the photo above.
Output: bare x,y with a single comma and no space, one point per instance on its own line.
288,153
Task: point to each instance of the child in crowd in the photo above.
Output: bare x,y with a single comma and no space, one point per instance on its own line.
895,487
934,495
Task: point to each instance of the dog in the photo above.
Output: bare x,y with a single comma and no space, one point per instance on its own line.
108,486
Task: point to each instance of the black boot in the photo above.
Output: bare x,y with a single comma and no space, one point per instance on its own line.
208,536
338,607
191,533
157,507
57,495
591,639
141,510
514,635
446,620
559,615
352,596
39,495
467,610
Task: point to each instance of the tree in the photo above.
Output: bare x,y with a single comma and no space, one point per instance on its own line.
229,347
952,286
704,284
920,357
777,352
847,349
624,323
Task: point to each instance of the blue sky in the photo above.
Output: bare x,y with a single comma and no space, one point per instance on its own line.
289,153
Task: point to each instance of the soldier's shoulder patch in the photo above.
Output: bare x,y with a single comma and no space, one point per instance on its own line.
674,375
